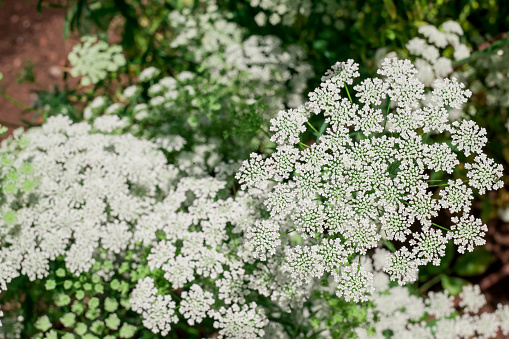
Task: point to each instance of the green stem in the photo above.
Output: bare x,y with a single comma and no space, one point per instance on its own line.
282,235
265,132
348,92
430,283
438,185
442,227
387,113
314,129
17,102
389,245
176,296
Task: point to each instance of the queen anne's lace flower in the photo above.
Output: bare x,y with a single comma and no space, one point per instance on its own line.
370,91
288,125
354,283
263,239
456,196
97,191
341,73
468,137
467,232
439,315
93,60
427,50
471,298
450,93
440,304
160,315
484,174
402,266
303,263
429,246
143,295
238,322
253,173
195,304
356,183
158,311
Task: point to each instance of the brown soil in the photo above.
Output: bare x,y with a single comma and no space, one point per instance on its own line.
29,36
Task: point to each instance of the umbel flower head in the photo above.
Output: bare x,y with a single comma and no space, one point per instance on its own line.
94,190
94,58
367,176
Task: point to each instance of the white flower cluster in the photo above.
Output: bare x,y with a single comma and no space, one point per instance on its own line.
489,75
359,184
405,315
197,245
239,323
97,191
429,62
114,193
217,44
281,11
195,304
287,12
94,58
158,311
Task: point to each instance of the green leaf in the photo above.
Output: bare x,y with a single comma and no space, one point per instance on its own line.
473,263
453,284
10,217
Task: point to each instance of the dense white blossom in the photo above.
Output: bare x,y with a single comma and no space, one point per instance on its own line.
440,304
287,126
468,232
354,283
341,73
471,298
195,304
484,174
252,173
456,196
95,192
263,239
246,322
395,310
468,137
450,92
303,263
428,50
143,295
160,315
158,311
357,184
402,266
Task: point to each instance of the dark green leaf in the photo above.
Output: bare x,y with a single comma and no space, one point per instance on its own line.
453,284
473,263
